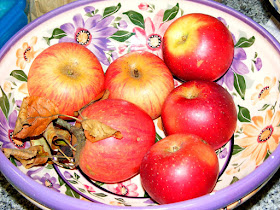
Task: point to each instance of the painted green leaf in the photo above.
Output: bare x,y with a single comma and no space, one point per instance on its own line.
136,18
244,42
234,179
99,183
243,114
240,85
82,190
76,176
71,192
111,10
146,195
120,200
73,181
61,182
89,14
102,195
236,149
19,75
267,155
181,12
12,159
4,103
170,14
92,13
158,137
49,166
265,106
56,34
121,35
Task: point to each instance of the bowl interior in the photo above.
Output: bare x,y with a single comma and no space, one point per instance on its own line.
120,27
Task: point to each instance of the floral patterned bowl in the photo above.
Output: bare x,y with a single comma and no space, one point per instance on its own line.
112,29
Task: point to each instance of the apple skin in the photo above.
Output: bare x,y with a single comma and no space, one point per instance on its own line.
179,167
114,160
198,46
141,78
203,108
68,74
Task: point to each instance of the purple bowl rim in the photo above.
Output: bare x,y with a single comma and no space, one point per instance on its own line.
222,197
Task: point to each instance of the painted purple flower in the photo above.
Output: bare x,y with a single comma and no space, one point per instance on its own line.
18,103
223,153
258,63
92,33
89,9
122,24
67,175
50,182
237,65
6,131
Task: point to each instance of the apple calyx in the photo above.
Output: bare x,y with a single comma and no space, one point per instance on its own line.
68,70
184,38
175,148
135,73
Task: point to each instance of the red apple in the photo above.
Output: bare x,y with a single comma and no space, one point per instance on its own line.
141,78
114,160
178,168
198,46
203,108
68,74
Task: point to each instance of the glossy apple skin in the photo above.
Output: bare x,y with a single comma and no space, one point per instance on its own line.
179,167
114,160
68,74
203,108
198,46
147,88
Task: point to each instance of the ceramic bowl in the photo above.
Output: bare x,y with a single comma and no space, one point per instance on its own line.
247,162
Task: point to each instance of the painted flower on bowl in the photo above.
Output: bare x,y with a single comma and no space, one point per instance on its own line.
264,91
124,188
146,7
26,53
150,38
50,182
6,131
67,175
237,66
143,6
223,153
89,188
262,136
92,33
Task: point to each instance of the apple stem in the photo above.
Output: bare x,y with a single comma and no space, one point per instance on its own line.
68,116
103,95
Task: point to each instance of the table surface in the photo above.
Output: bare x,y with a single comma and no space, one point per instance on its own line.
267,198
